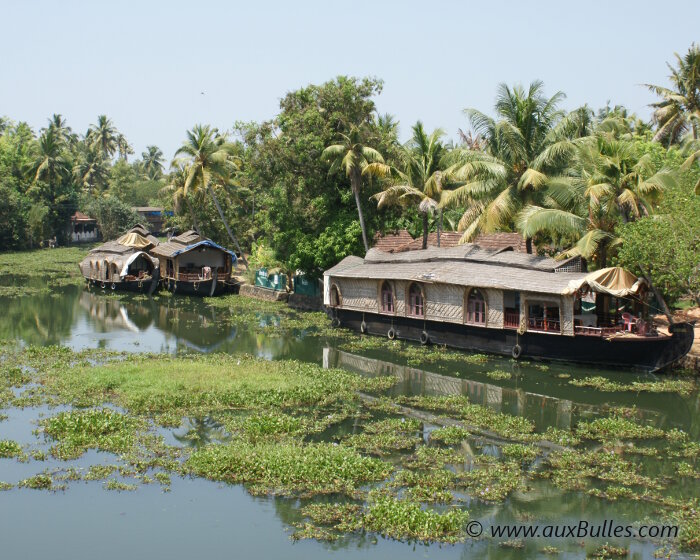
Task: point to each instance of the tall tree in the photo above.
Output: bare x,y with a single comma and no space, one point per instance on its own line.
123,147
418,179
679,109
610,184
353,156
511,173
209,160
103,136
90,168
152,162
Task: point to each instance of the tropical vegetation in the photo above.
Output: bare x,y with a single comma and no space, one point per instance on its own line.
317,181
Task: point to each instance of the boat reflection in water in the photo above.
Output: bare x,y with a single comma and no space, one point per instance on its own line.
542,410
171,327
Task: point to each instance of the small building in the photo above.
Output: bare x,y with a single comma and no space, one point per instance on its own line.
154,216
194,265
83,228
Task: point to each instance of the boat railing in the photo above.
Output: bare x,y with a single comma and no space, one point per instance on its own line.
543,325
511,318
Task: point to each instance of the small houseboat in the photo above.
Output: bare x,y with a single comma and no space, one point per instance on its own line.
124,264
191,264
503,302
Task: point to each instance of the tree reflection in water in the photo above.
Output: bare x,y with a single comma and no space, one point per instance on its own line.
200,431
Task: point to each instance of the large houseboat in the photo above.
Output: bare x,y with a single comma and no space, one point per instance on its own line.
191,264
124,264
503,302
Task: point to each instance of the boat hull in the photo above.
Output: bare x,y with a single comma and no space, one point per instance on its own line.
648,354
203,288
148,286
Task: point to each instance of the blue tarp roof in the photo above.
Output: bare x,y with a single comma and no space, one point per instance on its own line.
206,243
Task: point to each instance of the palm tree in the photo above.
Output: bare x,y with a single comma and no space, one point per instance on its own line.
690,147
125,149
176,189
208,160
513,170
90,169
51,163
152,162
679,109
609,183
419,181
57,123
103,135
354,157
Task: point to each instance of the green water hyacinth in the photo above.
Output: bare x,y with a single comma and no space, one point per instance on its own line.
288,468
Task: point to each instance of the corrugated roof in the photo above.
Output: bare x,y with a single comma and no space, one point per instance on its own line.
461,273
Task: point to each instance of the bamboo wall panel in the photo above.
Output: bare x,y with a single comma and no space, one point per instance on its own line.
444,303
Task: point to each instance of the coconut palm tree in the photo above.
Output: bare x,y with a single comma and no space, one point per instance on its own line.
103,135
152,162
608,184
690,147
513,170
176,189
123,147
679,109
419,178
209,163
51,163
90,168
58,124
353,156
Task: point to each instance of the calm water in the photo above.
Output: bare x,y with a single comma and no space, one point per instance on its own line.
205,519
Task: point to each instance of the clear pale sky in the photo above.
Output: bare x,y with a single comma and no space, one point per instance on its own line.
145,64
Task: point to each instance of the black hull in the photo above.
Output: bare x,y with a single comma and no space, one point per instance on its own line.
205,288
140,287
648,354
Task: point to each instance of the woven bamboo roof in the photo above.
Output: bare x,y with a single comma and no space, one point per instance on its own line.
463,265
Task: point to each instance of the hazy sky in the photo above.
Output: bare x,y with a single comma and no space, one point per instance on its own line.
145,64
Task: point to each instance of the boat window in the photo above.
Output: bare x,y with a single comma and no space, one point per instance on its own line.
415,301
387,298
476,308
335,296
543,316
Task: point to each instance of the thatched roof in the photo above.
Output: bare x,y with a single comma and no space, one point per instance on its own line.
464,265
185,242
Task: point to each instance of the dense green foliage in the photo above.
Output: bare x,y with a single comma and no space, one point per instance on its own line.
315,182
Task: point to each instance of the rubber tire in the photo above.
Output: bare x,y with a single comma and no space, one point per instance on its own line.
516,351
424,338
391,334
335,322
114,286
363,327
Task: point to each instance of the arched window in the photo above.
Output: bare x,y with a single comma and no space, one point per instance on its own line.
387,298
336,298
416,302
105,270
476,308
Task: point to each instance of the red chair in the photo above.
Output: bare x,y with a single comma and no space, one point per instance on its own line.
629,321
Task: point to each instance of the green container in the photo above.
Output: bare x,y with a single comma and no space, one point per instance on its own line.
306,286
274,281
